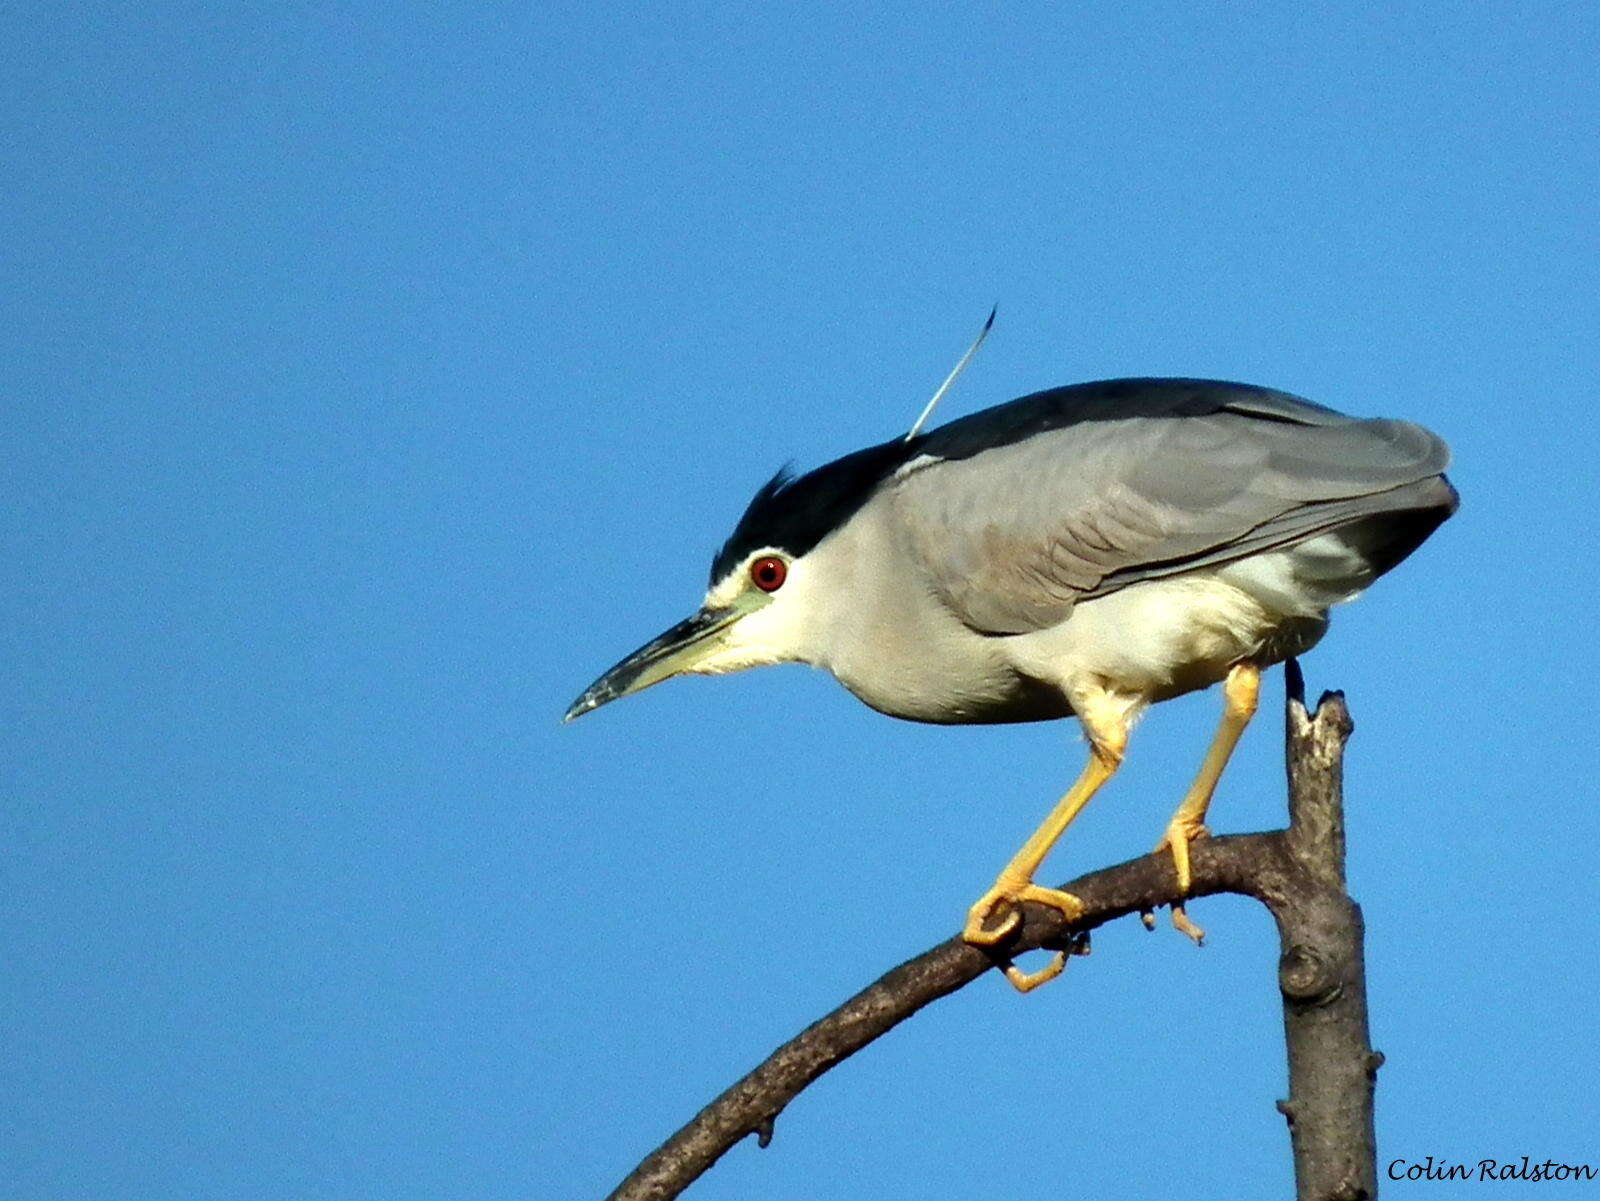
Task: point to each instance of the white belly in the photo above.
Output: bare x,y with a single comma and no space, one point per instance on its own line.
1162,638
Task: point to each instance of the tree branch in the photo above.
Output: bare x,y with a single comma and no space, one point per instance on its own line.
1297,873
1321,972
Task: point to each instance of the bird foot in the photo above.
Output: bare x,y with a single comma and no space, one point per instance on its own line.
1176,838
1179,834
1013,893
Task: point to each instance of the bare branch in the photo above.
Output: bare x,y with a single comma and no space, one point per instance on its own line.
1293,872
1332,1066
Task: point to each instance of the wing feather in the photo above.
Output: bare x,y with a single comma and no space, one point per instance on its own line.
1011,537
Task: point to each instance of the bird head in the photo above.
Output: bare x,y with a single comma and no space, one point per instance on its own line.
766,595
751,617
769,588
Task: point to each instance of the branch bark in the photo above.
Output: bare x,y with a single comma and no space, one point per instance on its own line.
1298,873
1322,971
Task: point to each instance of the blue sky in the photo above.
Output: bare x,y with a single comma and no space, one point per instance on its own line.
379,375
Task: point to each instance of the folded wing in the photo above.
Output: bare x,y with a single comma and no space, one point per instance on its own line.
1013,534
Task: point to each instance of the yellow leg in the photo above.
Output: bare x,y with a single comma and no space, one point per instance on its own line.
1240,693
1015,883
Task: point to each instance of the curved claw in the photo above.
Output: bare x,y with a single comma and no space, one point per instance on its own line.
1182,924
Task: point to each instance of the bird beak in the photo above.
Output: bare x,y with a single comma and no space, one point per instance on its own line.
678,650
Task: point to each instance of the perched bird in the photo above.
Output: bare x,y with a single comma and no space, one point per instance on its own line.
1084,551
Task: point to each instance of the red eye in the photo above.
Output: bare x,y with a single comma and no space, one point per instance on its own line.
768,573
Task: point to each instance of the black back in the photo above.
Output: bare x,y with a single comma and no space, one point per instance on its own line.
795,513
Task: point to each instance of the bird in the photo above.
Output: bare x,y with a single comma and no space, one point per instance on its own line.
1085,551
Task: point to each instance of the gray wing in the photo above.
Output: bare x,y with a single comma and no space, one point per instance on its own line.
1012,537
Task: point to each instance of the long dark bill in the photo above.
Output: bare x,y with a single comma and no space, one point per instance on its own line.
673,653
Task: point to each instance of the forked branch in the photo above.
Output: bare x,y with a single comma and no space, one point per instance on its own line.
1297,873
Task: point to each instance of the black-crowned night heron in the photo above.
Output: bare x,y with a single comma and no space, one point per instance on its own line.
1084,551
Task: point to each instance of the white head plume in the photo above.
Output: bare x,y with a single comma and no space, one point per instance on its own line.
927,409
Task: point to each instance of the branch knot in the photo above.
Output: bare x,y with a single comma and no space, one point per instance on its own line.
1307,975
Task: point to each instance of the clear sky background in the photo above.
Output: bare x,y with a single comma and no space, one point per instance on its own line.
377,375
